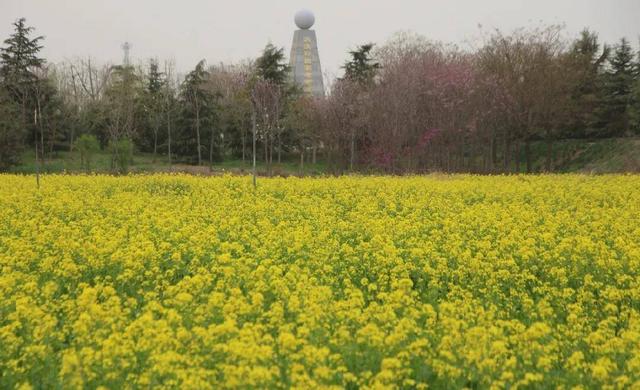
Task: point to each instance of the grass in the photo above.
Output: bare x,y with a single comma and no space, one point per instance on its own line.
64,161
584,156
591,156
612,155
69,162
285,168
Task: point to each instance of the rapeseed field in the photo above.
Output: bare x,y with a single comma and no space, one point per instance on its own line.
450,282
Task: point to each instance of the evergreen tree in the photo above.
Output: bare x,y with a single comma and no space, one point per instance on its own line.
271,65
170,106
619,84
19,63
634,111
19,60
155,78
198,112
588,61
152,104
11,132
361,68
272,93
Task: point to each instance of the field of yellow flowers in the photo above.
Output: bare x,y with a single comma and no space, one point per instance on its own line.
427,282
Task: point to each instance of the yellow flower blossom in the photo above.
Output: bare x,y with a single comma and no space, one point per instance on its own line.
174,281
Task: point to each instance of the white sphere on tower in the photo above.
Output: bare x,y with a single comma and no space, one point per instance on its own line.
304,19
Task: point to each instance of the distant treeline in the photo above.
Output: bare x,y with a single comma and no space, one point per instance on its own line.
409,105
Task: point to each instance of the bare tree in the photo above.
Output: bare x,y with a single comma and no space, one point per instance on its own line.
267,100
169,101
82,83
231,84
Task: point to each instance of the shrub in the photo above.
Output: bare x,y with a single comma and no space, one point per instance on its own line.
121,155
87,145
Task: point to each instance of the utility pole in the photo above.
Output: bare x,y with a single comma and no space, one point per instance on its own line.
253,125
35,121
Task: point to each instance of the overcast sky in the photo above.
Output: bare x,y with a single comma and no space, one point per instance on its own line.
232,30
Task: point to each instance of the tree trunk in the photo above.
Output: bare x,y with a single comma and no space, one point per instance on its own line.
37,165
243,136
71,136
549,162
169,136
52,138
253,126
301,162
41,136
211,148
462,165
494,153
155,143
314,149
270,152
517,156
279,147
265,151
527,153
198,136
507,152
39,126
352,151
90,78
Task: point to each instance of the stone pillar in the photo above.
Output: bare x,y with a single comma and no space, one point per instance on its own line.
305,63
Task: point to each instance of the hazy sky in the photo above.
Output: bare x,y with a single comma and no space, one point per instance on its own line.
231,30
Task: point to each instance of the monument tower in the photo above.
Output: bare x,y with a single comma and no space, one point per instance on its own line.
305,60
126,47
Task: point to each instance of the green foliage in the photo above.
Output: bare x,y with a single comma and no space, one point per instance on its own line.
588,60
619,85
88,146
193,89
10,132
272,66
209,115
634,109
153,103
122,103
198,113
361,67
155,79
18,60
122,155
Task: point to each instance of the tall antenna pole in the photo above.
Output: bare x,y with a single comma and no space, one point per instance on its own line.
35,121
126,47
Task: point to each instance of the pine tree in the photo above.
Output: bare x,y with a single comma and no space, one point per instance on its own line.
198,105
153,101
588,60
271,65
276,90
634,111
19,62
19,58
361,68
155,78
619,84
